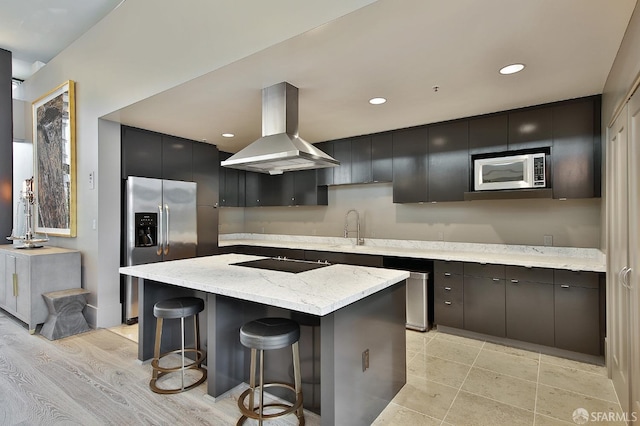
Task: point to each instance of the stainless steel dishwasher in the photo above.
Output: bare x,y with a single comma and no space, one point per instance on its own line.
418,301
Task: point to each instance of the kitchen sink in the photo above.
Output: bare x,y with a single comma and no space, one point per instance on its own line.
283,264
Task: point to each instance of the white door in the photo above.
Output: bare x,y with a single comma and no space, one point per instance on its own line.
617,258
633,277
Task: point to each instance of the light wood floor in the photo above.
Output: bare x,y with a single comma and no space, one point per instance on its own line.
93,378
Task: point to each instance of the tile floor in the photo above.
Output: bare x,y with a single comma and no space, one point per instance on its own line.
128,331
453,380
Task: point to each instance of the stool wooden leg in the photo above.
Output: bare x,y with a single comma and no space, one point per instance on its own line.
156,349
298,381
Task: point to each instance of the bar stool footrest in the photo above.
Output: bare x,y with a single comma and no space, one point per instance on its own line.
156,389
288,408
193,364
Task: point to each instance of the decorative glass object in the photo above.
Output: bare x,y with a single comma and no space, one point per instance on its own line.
24,229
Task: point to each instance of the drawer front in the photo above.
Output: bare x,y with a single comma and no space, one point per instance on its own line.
441,266
448,309
448,292
534,275
484,270
577,279
445,279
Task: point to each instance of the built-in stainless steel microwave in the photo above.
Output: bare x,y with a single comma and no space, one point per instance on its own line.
510,172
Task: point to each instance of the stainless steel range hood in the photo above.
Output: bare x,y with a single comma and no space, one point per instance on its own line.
280,149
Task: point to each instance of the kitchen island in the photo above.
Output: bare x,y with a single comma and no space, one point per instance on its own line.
352,324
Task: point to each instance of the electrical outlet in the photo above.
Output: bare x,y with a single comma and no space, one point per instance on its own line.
92,184
365,360
548,240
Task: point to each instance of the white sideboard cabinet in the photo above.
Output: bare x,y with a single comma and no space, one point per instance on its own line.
27,273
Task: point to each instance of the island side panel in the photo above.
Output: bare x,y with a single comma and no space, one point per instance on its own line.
351,396
226,355
149,293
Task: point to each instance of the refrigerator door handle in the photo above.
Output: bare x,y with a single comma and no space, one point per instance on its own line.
161,238
167,237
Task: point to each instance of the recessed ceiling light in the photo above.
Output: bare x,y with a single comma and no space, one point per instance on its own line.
511,69
377,101
228,135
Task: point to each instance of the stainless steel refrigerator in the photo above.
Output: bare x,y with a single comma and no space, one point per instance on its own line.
160,225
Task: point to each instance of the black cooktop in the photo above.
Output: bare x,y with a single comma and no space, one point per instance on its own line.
283,264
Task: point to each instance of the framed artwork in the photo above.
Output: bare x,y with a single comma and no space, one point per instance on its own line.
54,168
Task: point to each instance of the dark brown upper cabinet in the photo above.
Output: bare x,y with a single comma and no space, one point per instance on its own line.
489,133
205,173
177,157
306,191
232,185
530,128
448,161
410,165
361,160
298,188
342,153
267,190
141,153
575,167
382,157
325,176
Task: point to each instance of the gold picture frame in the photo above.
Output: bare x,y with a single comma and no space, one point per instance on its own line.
54,156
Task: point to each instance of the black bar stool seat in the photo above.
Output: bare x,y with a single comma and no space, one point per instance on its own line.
268,334
178,308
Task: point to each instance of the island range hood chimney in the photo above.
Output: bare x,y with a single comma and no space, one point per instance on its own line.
280,149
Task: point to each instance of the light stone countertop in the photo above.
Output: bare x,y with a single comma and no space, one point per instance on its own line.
41,251
317,292
569,258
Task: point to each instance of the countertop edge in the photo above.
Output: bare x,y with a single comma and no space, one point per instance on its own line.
370,281
526,256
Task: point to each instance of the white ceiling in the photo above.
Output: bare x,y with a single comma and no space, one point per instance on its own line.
399,50
35,31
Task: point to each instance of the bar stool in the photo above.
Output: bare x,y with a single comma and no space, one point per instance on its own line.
267,334
181,307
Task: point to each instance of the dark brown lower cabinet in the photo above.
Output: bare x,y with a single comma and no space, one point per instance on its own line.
556,308
484,305
577,319
448,299
529,305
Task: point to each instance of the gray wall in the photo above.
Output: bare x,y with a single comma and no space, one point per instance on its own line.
6,147
572,223
116,64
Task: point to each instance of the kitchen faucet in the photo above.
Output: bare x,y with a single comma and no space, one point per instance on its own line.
359,241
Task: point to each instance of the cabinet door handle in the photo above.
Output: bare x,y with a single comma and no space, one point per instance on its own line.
625,278
15,284
622,277
496,279
447,302
564,286
515,281
447,289
447,274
